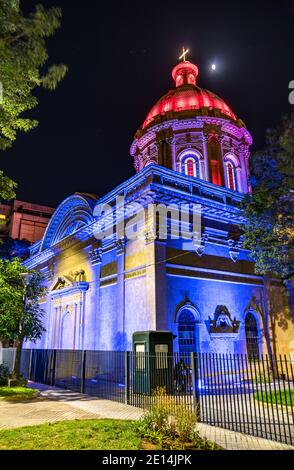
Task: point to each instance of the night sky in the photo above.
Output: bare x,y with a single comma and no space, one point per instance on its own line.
120,56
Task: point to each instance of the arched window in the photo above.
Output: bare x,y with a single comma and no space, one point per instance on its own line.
186,331
190,165
251,332
231,176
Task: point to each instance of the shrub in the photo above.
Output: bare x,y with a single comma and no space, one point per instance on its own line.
155,424
185,422
4,374
168,424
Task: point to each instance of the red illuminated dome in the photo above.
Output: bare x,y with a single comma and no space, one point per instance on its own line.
188,97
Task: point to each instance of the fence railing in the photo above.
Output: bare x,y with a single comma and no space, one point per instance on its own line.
254,395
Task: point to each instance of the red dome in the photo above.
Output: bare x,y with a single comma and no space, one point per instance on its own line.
188,96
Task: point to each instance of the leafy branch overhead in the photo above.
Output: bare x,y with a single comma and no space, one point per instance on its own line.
7,187
269,211
23,55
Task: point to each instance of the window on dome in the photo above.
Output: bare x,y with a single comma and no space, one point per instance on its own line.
191,79
231,176
190,166
180,80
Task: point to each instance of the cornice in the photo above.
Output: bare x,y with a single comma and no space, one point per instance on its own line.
156,184
197,124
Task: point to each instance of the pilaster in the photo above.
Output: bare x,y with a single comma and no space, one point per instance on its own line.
155,276
121,314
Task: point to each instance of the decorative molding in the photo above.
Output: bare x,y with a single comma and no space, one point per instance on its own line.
48,273
96,256
137,273
120,246
73,214
164,186
150,234
223,322
234,249
199,245
74,288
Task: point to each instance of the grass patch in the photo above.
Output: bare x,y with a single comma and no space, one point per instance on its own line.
104,434
283,398
17,393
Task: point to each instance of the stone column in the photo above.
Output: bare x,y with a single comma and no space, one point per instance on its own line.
75,320
155,277
81,321
239,181
163,139
215,157
206,175
244,162
120,338
172,146
96,259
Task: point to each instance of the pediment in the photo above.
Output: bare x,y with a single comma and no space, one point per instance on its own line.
70,280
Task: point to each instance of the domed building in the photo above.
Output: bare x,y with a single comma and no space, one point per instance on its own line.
163,250
193,131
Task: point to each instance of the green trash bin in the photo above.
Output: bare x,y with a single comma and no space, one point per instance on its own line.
152,361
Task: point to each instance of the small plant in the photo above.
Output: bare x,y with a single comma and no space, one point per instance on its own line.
4,374
185,422
170,425
155,424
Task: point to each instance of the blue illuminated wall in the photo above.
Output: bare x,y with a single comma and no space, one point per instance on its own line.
135,287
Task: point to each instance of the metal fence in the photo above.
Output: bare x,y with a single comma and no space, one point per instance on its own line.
254,395
7,357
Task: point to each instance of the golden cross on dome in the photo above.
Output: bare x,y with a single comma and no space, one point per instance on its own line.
183,56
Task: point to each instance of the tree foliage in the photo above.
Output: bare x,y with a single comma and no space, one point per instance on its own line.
269,211
20,312
13,248
7,186
23,55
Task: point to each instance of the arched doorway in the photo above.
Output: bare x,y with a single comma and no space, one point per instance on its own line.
251,332
186,331
67,332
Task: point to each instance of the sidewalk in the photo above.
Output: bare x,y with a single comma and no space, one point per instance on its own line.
98,406
232,440
56,404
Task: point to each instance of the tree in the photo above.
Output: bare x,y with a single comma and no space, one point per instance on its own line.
269,211
7,186
23,55
274,314
20,311
269,221
14,248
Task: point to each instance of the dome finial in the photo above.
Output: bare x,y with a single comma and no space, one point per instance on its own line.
184,53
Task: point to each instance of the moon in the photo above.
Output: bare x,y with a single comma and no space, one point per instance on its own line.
213,67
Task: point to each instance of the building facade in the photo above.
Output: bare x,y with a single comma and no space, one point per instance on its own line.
24,221
120,263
